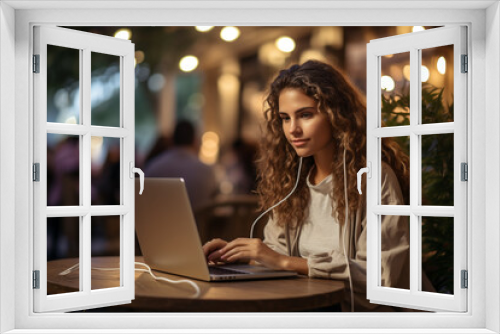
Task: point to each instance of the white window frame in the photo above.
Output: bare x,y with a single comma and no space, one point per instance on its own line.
483,20
413,44
123,50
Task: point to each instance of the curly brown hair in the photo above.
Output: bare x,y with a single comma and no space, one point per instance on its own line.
346,109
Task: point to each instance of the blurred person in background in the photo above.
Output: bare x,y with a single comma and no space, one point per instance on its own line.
63,189
182,161
161,144
239,166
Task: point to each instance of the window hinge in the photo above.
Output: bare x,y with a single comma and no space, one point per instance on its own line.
36,63
465,64
36,172
36,279
464,171
465,279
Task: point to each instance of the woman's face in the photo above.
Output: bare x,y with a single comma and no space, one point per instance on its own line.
306,128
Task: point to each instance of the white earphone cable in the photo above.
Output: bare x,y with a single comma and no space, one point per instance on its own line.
346,221
284,199
147,270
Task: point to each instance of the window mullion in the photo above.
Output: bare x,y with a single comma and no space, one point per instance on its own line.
86,122
414,168
85,154
422,210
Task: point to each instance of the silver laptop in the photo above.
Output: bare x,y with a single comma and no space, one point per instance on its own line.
169,238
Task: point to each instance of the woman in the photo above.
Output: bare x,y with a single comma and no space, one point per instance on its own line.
315,114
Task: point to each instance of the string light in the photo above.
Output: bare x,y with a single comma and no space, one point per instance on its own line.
441,65
229,34
203,28
285,44
406,72
209,147
387,83
188,63
123,33
425,74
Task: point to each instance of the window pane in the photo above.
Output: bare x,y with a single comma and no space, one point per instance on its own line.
437,169
105,237
106,177
395,84
395,252
63,252
437,254
397,151
63,170
105,89
437,84
63,85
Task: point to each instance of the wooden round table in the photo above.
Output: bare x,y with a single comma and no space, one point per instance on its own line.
270,295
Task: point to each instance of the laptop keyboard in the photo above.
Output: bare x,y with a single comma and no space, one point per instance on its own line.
224,271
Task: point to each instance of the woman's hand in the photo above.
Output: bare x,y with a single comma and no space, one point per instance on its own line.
246,250
212,249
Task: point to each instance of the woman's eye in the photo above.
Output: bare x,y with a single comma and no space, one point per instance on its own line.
284,118
306,115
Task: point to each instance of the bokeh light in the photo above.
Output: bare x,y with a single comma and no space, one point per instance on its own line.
285,44
229,34
123,33
188,63
441,65
209,147
387,83
139,56
203,28
425,74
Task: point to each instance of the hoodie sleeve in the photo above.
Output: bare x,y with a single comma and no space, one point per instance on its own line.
395,245
274,237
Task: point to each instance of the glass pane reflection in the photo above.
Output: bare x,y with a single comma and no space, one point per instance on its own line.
437,254
437,84
105,241
106,170
404,180
438,169
105,89
395,84
63,252
63,170
395,243
63,85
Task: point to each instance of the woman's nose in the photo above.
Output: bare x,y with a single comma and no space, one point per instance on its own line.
294,127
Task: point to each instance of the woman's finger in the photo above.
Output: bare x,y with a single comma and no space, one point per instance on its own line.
235,243
233,251
243,255
213,245
214,256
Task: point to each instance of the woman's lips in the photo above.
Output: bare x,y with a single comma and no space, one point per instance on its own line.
299,142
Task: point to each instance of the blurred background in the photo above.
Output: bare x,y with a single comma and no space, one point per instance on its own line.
216,79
